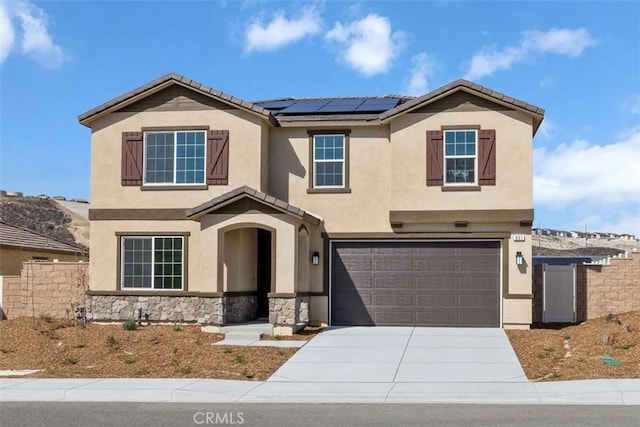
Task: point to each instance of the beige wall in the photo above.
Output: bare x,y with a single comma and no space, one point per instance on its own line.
45,288
246,166
11,259
514,173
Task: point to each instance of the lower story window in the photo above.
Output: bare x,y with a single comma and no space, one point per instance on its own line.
152,262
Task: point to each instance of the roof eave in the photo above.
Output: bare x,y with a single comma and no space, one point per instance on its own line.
162,83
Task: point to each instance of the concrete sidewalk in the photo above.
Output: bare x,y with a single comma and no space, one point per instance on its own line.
591,392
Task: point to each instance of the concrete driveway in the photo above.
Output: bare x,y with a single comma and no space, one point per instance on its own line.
404,354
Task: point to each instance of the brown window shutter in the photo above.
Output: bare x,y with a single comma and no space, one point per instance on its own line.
218,157
132,158
487,157
434,157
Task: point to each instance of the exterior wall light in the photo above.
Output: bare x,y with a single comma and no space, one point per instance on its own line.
315,258
519,258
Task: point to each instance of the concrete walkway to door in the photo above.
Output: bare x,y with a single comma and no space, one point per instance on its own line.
404,355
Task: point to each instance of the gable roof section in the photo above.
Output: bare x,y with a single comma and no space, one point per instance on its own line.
248,192
21,238
536,112
164,82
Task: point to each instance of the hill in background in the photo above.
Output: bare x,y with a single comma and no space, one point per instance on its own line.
46,217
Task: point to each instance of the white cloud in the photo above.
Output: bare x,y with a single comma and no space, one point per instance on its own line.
7,35
558,41
281,31
34,38
417,83
632,105
367,45
588,174
547,128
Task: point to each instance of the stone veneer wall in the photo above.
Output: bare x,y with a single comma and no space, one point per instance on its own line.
204,310
288,311
45,288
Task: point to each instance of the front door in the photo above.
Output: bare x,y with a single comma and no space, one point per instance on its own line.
264,272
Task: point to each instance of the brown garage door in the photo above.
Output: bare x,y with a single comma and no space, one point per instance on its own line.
416,283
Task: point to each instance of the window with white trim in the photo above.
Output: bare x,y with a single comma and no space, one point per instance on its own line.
460,156
152,262
329,161
174,157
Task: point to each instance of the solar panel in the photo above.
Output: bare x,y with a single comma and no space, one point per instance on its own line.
378,104
276,105
304,106
341,105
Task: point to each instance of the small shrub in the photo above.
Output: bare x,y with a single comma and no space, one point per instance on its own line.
239,359
245,372
70,360
549,349
6,350
141,372
625,346
176,327
174,350
280,352
112,343
129,325
227,350
186,369
46,318
129,360
81,325
567,337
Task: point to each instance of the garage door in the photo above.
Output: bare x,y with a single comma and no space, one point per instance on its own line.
416,283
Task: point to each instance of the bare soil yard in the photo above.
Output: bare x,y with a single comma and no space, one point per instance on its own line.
554,352
64,350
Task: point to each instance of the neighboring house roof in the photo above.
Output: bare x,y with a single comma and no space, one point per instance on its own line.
20,238
163,82
263,198
282,111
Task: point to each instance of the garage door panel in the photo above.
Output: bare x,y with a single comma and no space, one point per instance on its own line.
482,318
416,283
393,318
393,299
393,264
427,283
394,282
437,300
436,317
436,264
479,282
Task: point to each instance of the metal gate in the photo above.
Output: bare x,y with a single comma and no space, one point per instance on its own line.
559,293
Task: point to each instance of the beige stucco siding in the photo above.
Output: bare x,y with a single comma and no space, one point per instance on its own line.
365,208
246,164
105,272
514,173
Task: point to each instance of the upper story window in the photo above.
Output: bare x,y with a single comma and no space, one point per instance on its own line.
174,157
160,158
329,168
460,156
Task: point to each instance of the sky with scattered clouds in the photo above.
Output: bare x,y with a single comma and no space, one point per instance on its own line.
580,61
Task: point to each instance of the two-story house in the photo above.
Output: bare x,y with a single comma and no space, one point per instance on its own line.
345,211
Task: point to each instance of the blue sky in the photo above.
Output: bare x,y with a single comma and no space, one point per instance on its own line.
580,61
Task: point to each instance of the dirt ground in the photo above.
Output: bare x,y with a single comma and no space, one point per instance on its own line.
545,356
64,350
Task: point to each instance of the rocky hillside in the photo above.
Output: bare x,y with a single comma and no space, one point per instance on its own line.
44,216
573,246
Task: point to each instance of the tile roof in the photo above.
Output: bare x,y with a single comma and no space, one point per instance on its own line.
259,196
177,78
17,237
300,109
461,83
